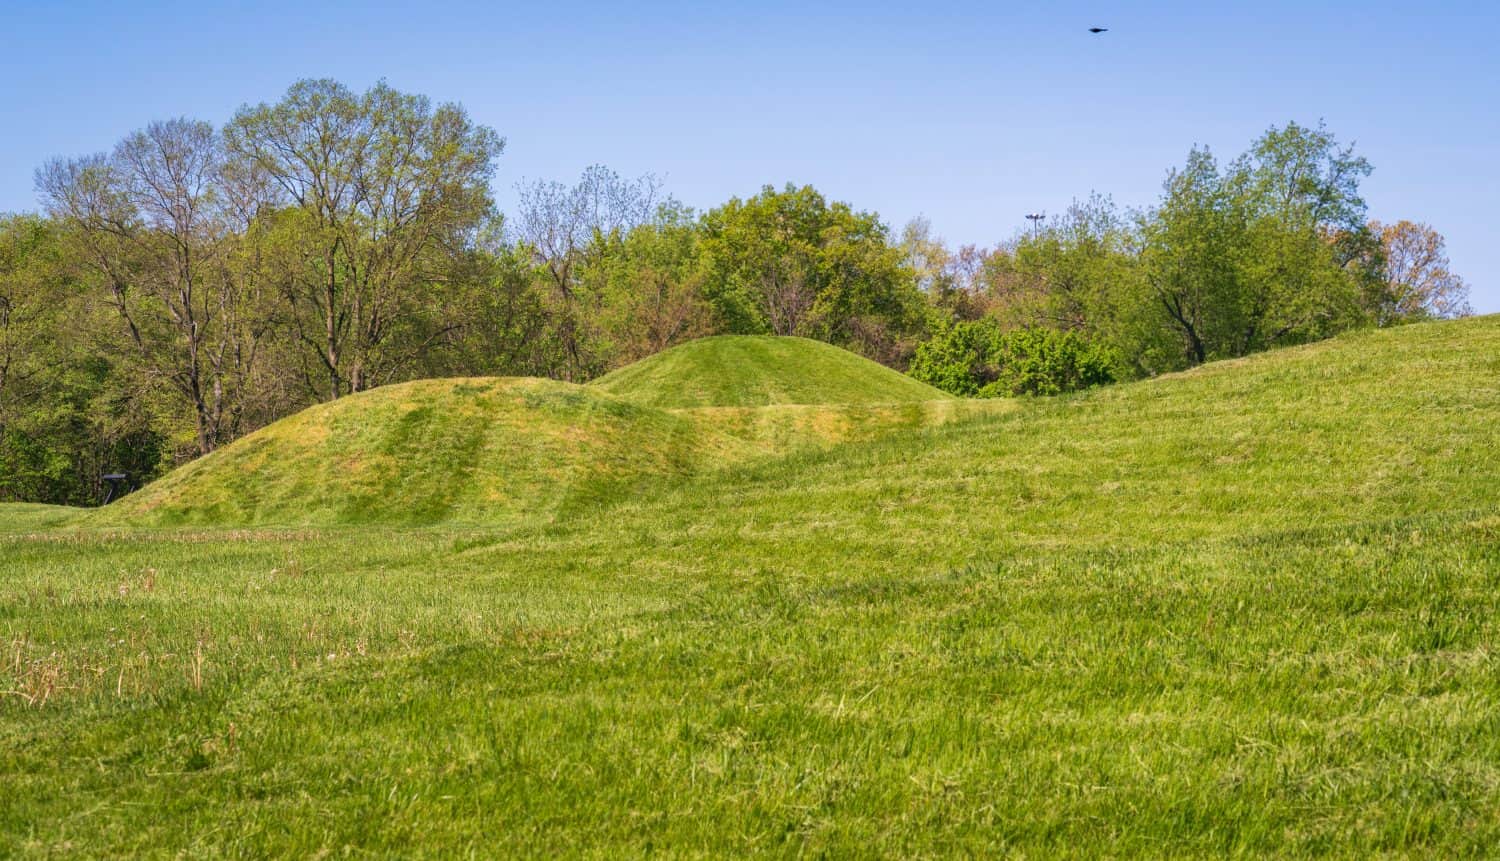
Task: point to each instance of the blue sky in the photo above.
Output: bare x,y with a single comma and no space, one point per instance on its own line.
969,114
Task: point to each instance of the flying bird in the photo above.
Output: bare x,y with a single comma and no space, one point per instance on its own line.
1097,30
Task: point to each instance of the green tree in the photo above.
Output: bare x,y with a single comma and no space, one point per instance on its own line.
31,310
66,414
1191,255
1079,273
1306,229
507,323
791,263
33,466
568,229
151,225
650,286
380,191
1258,255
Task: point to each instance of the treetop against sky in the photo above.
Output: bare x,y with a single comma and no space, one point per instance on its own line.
970,114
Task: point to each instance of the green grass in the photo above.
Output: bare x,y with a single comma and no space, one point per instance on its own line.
1250,609
510,452
755,371
496,451
25,516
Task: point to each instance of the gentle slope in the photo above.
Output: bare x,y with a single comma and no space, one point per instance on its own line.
496,451
504,452
760,370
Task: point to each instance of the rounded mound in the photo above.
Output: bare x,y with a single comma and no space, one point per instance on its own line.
492,451
760,370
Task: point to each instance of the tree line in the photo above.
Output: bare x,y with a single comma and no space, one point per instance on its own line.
195,283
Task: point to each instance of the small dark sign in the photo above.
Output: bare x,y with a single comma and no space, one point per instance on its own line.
116,481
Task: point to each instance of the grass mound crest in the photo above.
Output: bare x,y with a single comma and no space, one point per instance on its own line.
760,370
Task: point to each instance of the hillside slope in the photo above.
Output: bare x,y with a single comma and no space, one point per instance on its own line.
505,452
760,370
497,451
1369,426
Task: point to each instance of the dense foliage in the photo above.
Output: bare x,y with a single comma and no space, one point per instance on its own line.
195,283
980,358
790,263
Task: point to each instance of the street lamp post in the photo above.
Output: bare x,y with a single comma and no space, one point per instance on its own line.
1036,219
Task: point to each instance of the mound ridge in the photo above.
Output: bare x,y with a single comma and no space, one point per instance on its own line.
760,370
1361,425
511,451
480,450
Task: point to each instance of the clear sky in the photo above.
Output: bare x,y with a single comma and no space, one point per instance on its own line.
969,114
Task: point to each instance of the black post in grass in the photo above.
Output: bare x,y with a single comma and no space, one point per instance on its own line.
114,480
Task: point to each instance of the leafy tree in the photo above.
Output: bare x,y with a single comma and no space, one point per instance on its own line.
508,322
790,263
1192,246
66,415
1257,255
1068,271
31,308
1302,176
380,190
150,224
981,358
1081,273
649,283
1307,225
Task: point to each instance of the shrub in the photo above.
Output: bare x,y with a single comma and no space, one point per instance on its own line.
980,359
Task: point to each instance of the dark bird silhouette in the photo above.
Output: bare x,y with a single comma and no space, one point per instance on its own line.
1097,30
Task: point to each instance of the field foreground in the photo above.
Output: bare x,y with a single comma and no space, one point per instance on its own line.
1252,608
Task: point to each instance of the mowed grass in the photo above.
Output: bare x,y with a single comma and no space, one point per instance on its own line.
1249,609
506,452
500,451
760,370
24,516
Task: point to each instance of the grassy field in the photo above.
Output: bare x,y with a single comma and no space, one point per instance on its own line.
1248,609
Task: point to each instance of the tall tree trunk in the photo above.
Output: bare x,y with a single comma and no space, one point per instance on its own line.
330,329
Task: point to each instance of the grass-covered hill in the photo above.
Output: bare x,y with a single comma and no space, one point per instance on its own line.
497,451
504,452
760,370
1247,610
